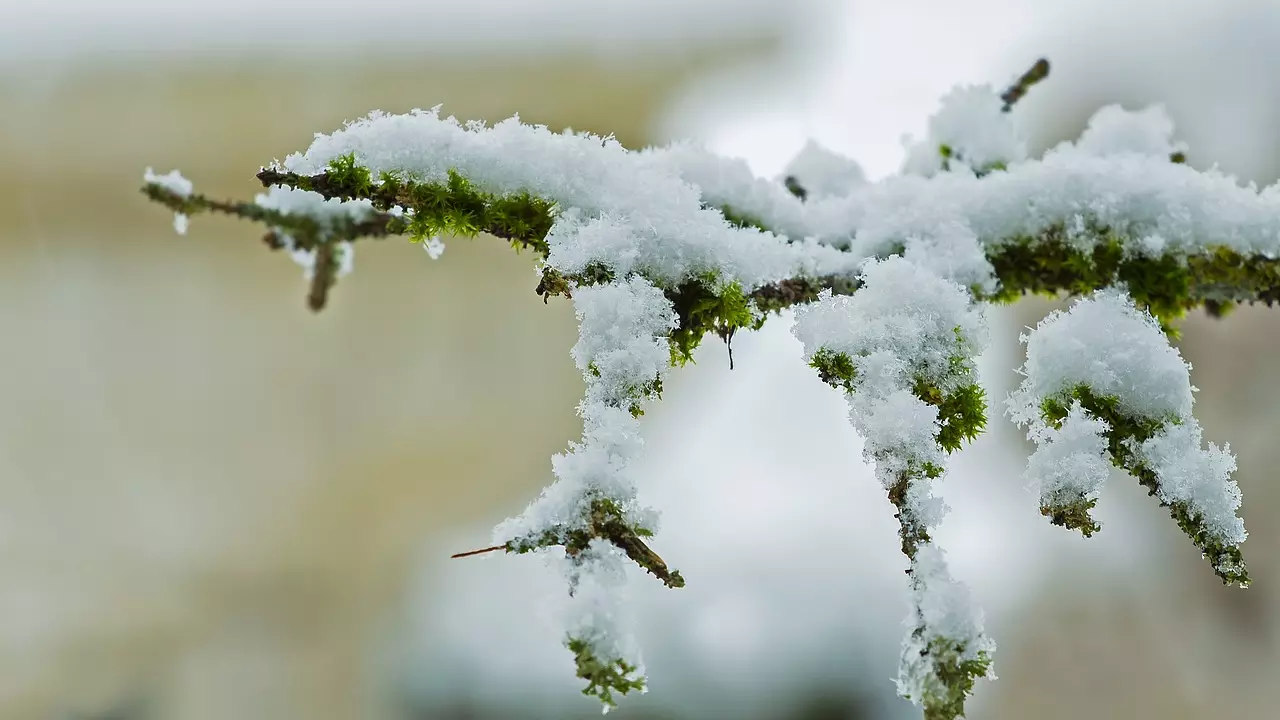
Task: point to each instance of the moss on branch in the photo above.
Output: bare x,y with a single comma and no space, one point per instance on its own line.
1124,433
604,520
1049,263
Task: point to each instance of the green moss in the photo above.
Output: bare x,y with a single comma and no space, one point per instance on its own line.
604,677
834,368
344,172
706,304
962,412
955,673
1125,432
651,390
452,207
1167,285
456,207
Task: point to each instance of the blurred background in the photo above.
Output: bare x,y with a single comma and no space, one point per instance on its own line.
214,504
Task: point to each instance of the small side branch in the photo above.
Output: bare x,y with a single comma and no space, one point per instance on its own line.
1019,88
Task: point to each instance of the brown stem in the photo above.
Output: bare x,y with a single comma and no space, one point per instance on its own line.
1019,88
478,552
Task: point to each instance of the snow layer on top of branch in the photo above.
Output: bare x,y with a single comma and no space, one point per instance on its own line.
172,181
618,207
647,211
1108,344
729,182
1137,196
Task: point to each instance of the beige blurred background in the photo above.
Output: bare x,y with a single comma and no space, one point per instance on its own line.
214,504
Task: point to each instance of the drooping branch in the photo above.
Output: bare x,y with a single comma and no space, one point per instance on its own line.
906,367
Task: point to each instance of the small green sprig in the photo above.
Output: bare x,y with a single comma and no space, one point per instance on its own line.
604,677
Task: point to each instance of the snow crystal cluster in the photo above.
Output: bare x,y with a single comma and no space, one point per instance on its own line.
622,352
1118,352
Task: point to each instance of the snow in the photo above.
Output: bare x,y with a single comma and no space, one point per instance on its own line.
1070,463
1199,477
647,211
944,609
918,243
619,208
906,323
1105,343
1113,130
433,247
823,173
171,181
972,123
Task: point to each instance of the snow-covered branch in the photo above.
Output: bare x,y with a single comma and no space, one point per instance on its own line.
657,248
